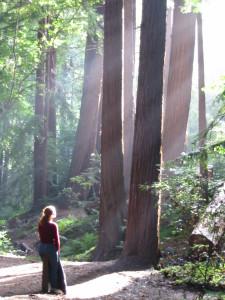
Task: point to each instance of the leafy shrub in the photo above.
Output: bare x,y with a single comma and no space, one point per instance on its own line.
90,178
209,273
5,243
80,246
79,236
2,224
184,192
74,228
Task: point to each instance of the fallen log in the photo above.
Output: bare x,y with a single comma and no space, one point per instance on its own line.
211,226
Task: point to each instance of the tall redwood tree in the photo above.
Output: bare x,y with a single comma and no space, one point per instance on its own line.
179,83
129,53
112,191
142,226
86,135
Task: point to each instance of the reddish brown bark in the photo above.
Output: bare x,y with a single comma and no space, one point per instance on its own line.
112,192
169,23
179,83
85,140
129,45
142,233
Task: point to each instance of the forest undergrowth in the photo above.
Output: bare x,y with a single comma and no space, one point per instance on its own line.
177,271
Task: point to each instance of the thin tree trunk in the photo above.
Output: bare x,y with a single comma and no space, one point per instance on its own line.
50,97
142,226
39,130
179,84
112,191
202,108
99,127
129,46
1,169
5,168
201,81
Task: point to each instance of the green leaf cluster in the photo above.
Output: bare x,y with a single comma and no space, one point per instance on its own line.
5,243
209,273
21,53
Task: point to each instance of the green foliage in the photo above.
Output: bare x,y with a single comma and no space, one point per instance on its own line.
20,56
215,131
65,223
79,236
184,189
209,273
91,177
80,246
5,243
191,6
73,228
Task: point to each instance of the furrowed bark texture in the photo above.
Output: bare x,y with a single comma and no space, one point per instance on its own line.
179,83
142,227
112,192
129,45
85,139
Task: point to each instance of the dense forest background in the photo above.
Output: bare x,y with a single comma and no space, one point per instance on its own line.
103,103
20,54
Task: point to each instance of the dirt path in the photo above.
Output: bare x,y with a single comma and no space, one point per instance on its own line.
21,279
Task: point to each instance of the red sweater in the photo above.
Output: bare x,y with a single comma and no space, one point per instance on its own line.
49,234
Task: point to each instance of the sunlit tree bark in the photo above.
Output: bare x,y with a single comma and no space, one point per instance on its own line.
202,108
129,45
179,83
169,23
201,82
142,226
112,191
85,140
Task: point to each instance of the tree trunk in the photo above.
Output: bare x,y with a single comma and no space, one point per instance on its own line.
202,110
99,127
1,169
179,84
169,23
50,98
129,45
211,227
39,130
5,168
112,191
201,81
142,226
85,140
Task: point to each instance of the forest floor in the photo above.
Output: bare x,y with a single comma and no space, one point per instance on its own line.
20,277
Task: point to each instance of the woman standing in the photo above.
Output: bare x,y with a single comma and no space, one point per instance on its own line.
50,244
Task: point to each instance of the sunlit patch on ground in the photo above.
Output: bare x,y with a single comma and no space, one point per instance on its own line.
20,270
104,285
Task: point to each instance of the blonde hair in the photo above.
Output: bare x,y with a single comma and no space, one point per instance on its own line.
47,212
